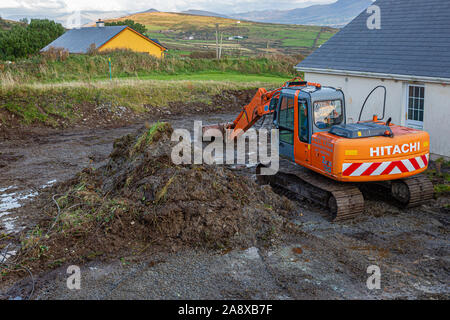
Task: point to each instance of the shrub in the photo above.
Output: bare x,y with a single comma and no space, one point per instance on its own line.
92,50
24,40
55,54
130,23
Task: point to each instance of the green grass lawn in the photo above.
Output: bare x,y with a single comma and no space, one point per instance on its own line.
219,76
216,76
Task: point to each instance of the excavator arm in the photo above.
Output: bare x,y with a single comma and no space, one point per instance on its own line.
258,107
251,113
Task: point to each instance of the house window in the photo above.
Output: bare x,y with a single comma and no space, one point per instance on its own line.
416,103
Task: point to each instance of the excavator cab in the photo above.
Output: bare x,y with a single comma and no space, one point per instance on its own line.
302,111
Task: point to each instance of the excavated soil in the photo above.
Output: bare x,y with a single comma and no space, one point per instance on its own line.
324,260
100,115
141,202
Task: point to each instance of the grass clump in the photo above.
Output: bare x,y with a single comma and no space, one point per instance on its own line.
441,189
153,133
439,174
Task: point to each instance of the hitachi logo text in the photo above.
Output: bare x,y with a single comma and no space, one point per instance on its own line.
397,149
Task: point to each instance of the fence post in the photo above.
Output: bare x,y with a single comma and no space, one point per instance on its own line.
110,72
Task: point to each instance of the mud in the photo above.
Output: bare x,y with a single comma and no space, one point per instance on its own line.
106,116
140,201
323,260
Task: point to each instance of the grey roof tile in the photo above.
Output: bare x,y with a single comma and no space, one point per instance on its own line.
79,40
414,40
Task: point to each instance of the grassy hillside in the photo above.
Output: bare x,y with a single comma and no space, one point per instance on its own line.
6,25
127,64
61,92
174,30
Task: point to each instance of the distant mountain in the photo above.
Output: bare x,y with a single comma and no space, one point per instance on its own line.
336,14
149,11
204,13
7,24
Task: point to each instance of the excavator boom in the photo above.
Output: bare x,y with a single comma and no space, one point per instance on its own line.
258,107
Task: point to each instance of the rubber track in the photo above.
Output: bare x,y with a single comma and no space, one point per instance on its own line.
349,199
420,190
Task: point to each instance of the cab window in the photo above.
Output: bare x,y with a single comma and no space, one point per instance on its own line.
303,121
286,120
328,113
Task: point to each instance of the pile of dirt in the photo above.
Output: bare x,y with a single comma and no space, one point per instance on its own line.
140,201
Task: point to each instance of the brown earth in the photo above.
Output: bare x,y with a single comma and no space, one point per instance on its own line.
92,115
324,261
140,202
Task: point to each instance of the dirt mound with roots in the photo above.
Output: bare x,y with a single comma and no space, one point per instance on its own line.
141,201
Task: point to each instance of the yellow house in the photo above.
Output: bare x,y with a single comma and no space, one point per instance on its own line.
107,38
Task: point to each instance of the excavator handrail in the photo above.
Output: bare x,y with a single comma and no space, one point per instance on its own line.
312,84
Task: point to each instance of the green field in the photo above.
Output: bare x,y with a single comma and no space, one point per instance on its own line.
133,65
220,76
174,29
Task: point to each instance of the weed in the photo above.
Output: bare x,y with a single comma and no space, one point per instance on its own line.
440,189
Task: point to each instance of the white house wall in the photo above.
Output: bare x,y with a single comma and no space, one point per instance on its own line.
356,89
437,117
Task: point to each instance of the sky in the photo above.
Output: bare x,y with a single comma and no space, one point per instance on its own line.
219,6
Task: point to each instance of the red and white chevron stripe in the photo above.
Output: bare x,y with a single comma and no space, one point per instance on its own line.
384,168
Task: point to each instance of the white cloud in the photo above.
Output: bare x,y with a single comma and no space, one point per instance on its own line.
222,6
9,4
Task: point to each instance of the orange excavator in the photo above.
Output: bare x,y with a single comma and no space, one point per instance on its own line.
330,162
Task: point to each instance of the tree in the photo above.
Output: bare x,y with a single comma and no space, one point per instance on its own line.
133,25
24,40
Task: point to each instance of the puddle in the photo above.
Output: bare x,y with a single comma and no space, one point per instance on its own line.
49,184
7,255
9,224
11,199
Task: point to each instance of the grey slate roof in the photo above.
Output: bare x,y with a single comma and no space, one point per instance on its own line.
414,40
79,40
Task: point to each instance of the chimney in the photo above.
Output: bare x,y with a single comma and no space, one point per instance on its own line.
100,23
